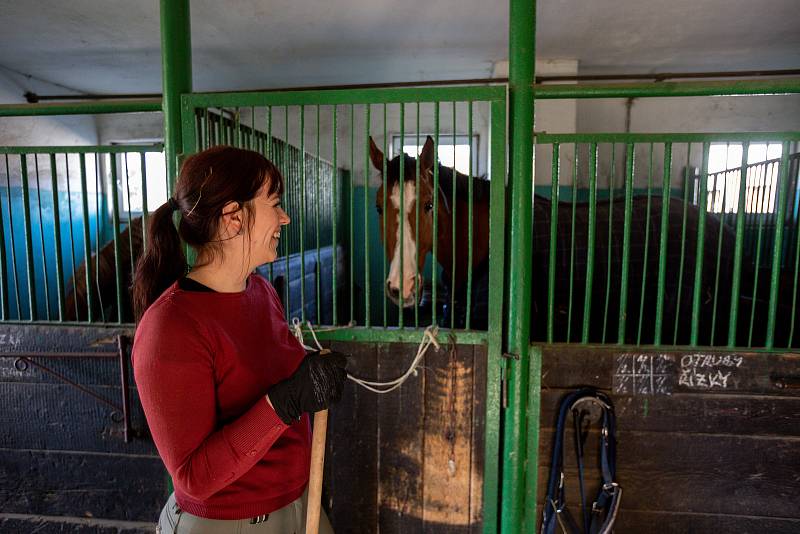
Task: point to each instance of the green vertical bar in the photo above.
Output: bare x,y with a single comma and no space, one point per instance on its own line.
777,248
435,212
130,220
115,225
268,152
521,420
683,241
71,231
14,274
551,269
317,201
145,210
646,246
87,243
470,218
176,73
495,365
368,320
612,179
41,236
335,218
796,267
56,242
206,130
759,208
575,149
291,184
416,226
701,232
662,257
3,284
351,211
385,185
626,243
719,244
402,225
453,222
587,298
26,220
98,209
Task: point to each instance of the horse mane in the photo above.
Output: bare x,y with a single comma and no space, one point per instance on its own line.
480,185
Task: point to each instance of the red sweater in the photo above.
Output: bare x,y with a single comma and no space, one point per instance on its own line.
203,363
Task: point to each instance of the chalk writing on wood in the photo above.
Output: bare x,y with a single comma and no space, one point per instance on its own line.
709,371
644,374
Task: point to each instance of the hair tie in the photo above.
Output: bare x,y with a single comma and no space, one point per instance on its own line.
173,204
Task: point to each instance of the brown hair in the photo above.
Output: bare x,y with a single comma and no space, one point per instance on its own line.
208,181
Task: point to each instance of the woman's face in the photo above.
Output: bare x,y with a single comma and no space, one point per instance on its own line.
265,234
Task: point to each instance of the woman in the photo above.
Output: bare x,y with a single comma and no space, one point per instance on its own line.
224,385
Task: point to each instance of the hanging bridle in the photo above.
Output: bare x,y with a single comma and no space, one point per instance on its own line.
603,513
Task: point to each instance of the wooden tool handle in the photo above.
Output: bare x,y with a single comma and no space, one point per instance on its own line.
315,476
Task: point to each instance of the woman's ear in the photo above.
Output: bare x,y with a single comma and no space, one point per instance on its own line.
231,220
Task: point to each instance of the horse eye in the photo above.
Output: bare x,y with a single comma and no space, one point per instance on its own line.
379,209
429,206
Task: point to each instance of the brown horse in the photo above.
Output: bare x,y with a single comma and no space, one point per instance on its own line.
104,290
404,282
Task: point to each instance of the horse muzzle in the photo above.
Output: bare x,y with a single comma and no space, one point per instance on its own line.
414,293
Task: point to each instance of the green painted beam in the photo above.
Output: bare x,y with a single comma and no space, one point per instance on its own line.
116,149
733,137
81,108
773,86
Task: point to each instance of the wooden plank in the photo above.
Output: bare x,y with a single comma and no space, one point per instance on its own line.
448,418
80,484
352,486
71,525
695,412
400,414
478,448
648,373
699,473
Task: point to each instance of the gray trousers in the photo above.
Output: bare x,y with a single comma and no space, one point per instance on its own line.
291,519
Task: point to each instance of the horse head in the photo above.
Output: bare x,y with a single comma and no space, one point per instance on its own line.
407,258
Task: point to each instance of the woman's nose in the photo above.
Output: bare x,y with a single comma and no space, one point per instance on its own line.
284,218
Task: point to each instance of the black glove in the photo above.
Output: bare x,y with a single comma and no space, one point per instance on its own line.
316,384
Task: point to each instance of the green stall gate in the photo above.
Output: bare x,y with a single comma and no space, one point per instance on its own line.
637,270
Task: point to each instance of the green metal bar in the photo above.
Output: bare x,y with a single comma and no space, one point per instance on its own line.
739,248
335,217
416,227
521,417
612,179
268,152
176,73
130,220
683,241
115,225
399,335
368,319
402,186
646,246
303,209
84,149
575,150
206,130
470,218
237,129
13,243
385,186
774,86
796,270
543,138
662,257
71,230
145,210
56,240
26,210
288,172
719,246
317,202
87,243
626,243
701,241
351,211
777,248
551,268
41,236
435,251
587,298
97,211
759,210
453,223
4,315
329,97
81,108
496,362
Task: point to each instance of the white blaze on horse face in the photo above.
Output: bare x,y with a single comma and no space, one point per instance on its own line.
408,272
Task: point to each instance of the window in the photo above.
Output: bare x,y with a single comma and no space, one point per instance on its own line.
724,177
447,150
129,181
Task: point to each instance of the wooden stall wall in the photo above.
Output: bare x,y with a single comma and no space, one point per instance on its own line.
410,460
708,441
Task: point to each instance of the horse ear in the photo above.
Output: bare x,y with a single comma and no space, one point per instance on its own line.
426,157
375,154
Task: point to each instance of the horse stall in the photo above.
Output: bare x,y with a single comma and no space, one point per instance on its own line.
478,265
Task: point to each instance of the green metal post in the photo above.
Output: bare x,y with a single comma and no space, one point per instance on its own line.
515,497
176,71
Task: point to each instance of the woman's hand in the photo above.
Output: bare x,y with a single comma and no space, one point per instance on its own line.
316,384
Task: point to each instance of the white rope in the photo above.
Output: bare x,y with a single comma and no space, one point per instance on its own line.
428,339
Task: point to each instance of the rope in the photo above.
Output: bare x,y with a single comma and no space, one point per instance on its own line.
428,339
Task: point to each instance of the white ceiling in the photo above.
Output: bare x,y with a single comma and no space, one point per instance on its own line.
113,46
